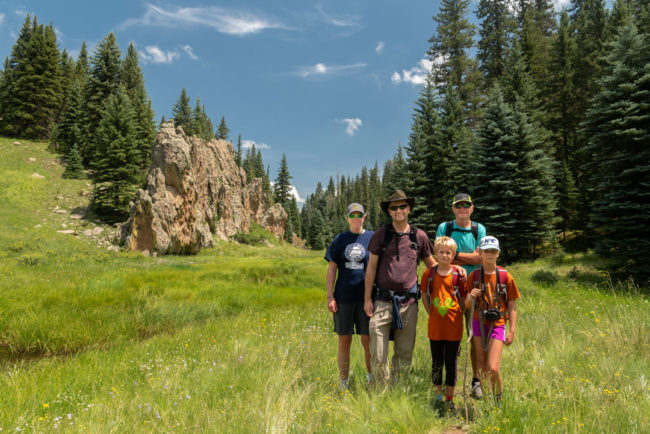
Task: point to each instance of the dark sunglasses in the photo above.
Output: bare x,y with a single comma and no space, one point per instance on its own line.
355,216
396,207
462,205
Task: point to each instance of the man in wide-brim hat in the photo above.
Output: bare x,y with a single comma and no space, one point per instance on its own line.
397,196
392,268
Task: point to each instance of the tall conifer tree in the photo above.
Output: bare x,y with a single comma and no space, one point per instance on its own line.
117,173
182,113
617,153
103,82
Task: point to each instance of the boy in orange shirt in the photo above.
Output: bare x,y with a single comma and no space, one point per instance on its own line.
442,291
492,291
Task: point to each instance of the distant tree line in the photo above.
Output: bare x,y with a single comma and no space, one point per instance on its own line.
543,117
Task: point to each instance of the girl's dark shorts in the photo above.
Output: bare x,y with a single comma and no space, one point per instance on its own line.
351,317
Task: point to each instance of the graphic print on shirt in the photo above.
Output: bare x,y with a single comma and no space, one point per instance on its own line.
355,254
442,309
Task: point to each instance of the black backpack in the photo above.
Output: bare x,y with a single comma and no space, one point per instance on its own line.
449,228
390,234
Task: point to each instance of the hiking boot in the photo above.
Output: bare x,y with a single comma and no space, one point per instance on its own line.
477,392
451,408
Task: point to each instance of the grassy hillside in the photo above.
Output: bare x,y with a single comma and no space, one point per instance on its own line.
238,338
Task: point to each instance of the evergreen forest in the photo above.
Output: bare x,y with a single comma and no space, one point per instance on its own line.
543,117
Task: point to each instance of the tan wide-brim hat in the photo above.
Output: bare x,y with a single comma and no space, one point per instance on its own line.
397,196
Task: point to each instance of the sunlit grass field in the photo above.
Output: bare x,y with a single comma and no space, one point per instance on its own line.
238,338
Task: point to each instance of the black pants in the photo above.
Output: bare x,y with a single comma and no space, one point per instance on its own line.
444,352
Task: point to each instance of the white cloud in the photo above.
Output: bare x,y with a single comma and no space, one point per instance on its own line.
338,20
231,22
416,75
153,54
59,34
20,12
321,69
189,51
380,47
246,144
294,192
352,125
559,4
2,18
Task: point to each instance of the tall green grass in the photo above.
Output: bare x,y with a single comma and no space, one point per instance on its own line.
238,339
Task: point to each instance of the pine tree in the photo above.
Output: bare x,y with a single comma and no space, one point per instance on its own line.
496,29
222,130
617,153
74,168
449,51
32,92
117,173
282,186
68,131
82,67
238,151
132,80
182,113
315,237
102,83
513,182
202,122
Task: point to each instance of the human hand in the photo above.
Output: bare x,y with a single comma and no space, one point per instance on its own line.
462,273
331,305
510,337
368,306
475,292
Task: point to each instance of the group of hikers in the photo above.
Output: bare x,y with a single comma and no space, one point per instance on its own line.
373,291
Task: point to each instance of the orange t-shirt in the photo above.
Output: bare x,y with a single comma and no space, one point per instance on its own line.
491,298
445,313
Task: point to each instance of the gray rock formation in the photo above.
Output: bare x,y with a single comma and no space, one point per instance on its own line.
195,190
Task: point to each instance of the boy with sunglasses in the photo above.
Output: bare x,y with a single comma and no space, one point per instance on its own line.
466,234
348,257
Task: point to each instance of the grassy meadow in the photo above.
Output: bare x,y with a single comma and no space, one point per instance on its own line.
238,338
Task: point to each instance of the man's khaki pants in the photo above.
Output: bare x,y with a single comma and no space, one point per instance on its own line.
380,326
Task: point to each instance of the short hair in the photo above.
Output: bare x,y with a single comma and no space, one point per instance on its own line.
444,242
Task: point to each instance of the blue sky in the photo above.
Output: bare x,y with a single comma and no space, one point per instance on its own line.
331,84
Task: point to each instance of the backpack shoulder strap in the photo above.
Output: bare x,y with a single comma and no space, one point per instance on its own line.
388,236
432,274
475,230
413,237
449,228
502,283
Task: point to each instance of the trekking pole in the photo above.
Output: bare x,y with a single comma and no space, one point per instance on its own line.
468,354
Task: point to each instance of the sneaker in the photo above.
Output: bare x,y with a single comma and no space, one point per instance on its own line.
477,392
345,385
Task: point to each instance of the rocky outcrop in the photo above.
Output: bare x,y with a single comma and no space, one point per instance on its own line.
194,190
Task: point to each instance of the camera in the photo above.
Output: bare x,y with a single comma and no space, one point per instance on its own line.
492,314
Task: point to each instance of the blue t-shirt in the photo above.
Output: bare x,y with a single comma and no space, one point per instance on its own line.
350,252
464,240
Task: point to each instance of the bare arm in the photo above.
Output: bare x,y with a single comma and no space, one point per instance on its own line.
371,272
472,258
331,278
430,261
512,320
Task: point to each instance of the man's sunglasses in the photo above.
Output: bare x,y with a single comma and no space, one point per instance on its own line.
396,207
355,216
462,205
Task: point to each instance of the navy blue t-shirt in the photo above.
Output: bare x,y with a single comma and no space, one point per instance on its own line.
350,252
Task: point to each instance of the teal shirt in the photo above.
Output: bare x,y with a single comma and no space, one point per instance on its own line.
465,240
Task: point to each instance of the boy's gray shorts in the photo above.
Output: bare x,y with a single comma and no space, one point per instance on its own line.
350,316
